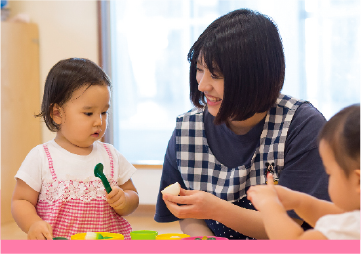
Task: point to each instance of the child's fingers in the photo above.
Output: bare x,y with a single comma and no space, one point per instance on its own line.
249,192
48,236
249,196
270,179
114,192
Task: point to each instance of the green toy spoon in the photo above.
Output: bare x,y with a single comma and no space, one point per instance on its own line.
98,172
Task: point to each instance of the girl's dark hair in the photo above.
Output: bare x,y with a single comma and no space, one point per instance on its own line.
342,133
63,79
245,47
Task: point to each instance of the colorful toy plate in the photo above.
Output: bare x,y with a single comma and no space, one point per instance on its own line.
171,236
106,235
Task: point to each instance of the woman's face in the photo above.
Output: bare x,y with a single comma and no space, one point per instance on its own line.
212,86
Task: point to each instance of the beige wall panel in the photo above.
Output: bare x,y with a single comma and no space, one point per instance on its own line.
20,92
66,29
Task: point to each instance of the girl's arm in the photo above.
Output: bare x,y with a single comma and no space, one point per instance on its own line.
24,212
124,198
279,226
306,206
195,227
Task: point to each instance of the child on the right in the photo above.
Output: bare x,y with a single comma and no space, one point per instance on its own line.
339,146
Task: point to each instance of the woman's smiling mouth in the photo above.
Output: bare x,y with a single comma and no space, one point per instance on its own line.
212,101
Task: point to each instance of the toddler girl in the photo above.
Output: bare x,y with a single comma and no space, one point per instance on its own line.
56,192
340,152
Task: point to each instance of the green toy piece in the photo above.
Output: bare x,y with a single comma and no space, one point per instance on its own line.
98,172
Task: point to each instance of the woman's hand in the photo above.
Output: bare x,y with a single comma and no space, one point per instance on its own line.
40,230
116,198
193,204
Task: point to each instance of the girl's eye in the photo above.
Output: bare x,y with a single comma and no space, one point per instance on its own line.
88,114
104,113
198,69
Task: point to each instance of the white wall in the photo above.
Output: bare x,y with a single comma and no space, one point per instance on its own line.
147,182
66,29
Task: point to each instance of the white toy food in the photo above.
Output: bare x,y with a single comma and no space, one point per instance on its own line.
93,236
173,189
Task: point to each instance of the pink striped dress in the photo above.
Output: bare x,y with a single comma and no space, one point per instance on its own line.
75,206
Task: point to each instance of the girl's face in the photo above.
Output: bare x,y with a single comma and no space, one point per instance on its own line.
344,191
83,119
212,86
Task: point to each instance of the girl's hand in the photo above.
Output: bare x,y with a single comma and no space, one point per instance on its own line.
263,195
194,204
40,230
287,197
116,198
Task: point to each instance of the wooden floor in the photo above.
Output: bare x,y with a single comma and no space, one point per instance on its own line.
141,219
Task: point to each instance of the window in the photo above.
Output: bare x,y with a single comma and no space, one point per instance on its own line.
332,54
150,39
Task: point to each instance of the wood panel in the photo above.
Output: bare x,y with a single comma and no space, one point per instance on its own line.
20,100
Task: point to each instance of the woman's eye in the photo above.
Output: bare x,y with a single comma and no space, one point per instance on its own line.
215,77
88,114
198,69
104,113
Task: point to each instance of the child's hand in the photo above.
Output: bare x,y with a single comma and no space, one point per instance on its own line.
263,195
287,197
40,230
116,198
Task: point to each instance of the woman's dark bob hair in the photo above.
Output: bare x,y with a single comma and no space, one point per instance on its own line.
342,134
63,79
245,47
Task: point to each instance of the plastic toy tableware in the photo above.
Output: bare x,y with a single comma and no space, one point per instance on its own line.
205,238
171,236
105,235
143,235
98,172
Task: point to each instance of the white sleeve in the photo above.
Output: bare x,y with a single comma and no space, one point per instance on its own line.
125,170
30,169
345,226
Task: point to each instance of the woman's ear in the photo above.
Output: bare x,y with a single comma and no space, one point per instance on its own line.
56,114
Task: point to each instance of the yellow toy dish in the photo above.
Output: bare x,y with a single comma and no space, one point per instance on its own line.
172,236
106,235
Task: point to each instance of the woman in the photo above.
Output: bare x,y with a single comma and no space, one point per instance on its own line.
240,129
